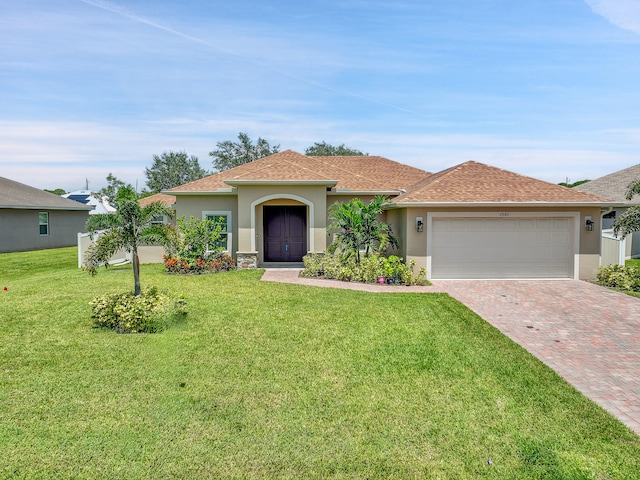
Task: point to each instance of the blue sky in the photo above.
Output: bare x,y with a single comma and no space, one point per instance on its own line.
546,88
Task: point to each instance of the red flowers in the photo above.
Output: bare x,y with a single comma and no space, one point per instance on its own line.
6,289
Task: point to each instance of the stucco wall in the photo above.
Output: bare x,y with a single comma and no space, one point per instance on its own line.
194,205
589,242
20,232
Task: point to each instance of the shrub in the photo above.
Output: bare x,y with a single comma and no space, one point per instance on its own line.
368,270
151,311
618,276
219,263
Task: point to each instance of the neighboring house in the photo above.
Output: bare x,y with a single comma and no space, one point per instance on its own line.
614,186
469,221
86,197
32,219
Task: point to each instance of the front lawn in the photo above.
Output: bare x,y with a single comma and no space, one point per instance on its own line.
269,380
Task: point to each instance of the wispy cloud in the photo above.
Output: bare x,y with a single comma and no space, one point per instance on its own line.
622,13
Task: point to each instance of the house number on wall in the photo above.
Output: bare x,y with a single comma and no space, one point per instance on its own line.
504,214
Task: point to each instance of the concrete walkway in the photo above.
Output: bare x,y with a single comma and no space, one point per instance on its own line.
588,334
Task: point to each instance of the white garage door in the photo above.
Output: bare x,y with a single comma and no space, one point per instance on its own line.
501,248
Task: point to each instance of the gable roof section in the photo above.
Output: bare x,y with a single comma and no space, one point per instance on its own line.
157,197
476,183
361,173
20,196
614,185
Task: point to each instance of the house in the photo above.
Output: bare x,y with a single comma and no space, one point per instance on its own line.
469,221
32,219
87,197
614,186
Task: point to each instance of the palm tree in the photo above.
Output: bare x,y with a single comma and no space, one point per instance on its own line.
629,221
128,228
359,228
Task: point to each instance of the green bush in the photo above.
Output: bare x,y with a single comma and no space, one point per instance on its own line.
393,268
152,311
618,276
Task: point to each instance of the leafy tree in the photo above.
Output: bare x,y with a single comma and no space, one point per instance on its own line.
172,169
232,154
629,221
128,228
113,185
359,228
574,184
57,191
324,149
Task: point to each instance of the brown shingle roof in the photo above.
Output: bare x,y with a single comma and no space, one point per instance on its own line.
474,182
614,185
18,195
157,197
359,173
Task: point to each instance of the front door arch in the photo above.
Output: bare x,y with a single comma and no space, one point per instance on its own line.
311,217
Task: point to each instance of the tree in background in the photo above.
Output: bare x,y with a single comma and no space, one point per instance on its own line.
574,184
113,185
57,191
629,221
324,149
172,169
232,154
128,228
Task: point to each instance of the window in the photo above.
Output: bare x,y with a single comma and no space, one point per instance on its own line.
224,220
159,220
43,220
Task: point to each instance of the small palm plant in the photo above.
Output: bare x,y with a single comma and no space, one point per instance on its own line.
128,228
359,228
629,221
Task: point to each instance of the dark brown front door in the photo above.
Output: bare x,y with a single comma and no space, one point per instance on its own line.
285,233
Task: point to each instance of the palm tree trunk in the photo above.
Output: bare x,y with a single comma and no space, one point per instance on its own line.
136,273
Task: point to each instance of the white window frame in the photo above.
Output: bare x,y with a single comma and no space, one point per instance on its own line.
221,213
40,224
159,220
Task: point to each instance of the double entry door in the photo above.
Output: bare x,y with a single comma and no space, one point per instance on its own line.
285,233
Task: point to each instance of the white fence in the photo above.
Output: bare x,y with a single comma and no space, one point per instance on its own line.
614,250
146,253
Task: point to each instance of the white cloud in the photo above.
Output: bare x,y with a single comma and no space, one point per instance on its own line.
622,13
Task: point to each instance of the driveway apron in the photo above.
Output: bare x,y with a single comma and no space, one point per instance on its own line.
588,334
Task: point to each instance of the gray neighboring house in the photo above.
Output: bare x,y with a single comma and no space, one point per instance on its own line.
32,219
614,186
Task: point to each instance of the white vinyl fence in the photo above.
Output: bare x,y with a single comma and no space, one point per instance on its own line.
146,253
614,250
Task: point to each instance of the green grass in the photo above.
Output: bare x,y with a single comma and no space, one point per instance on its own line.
268,380
633,262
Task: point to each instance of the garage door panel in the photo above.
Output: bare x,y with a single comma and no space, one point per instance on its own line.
501,248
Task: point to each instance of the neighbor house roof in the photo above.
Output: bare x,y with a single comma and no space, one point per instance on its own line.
157,197
477,183
359,173
20,196
614,185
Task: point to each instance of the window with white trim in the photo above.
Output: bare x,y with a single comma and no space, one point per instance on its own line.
43,223
222,218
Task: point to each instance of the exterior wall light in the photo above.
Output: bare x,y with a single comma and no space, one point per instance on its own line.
419,224
588,224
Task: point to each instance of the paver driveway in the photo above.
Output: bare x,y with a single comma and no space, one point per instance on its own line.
588,334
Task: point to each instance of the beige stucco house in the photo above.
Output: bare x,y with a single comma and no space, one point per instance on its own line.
469,221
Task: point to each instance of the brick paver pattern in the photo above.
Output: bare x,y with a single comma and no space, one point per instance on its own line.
588,334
